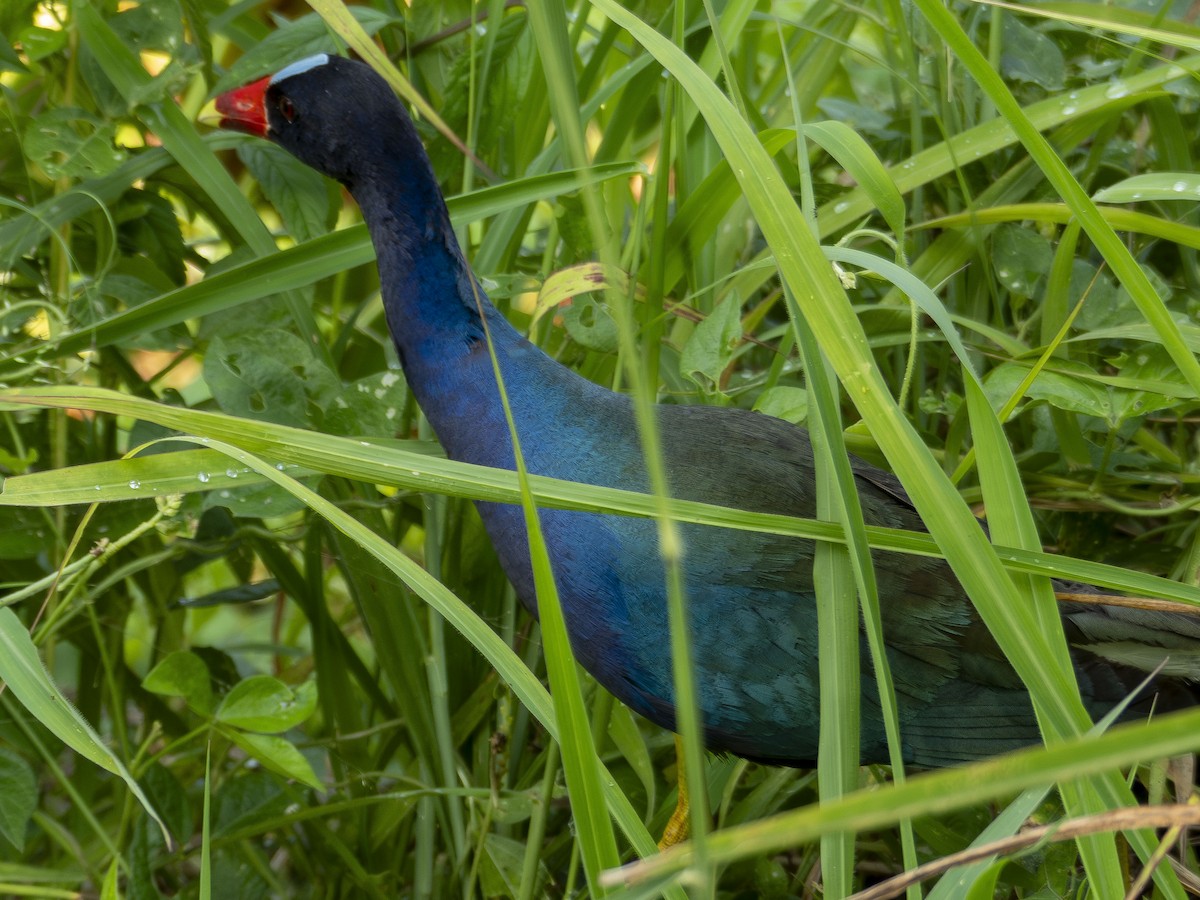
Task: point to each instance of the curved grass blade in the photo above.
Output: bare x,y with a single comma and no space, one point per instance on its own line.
421,471
22,671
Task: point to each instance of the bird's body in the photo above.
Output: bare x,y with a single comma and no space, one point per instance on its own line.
750,595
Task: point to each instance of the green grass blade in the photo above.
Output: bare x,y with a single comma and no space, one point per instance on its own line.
380,464
855,155
938,792
22,671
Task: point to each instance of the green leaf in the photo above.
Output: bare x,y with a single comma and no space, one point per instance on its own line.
263,703
247,800
39,43
23,672
1021,258
248,379
298,192
589,323
1030,55
18,797
628,738
370,406
500,871
784,402
277,755
21,535
71,143
711,345
182,674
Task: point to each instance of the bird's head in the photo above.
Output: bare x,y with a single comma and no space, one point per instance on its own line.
333,114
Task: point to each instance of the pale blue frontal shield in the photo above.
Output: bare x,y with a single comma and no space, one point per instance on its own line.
300,66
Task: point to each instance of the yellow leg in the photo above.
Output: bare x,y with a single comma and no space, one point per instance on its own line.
679,828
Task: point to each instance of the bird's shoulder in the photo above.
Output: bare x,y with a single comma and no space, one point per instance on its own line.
757,462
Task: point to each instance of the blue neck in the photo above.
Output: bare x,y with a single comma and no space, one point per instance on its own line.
436,310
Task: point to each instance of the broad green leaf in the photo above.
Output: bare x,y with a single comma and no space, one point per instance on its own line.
784,402
1021,258
1030,55
500,872
299,193
248,379
589,323
71,143
277,755
265,704
710,347
182,674
18,797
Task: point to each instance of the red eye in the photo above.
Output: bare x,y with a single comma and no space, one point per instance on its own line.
287,109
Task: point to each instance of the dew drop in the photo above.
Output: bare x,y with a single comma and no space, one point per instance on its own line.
203,477
134,484
231,473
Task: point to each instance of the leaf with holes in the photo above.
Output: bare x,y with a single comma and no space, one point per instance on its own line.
72,143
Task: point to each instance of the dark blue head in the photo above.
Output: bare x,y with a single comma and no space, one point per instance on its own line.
337,116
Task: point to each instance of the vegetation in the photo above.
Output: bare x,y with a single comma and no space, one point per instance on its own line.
293,665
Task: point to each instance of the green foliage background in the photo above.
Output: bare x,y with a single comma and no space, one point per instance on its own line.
293,665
